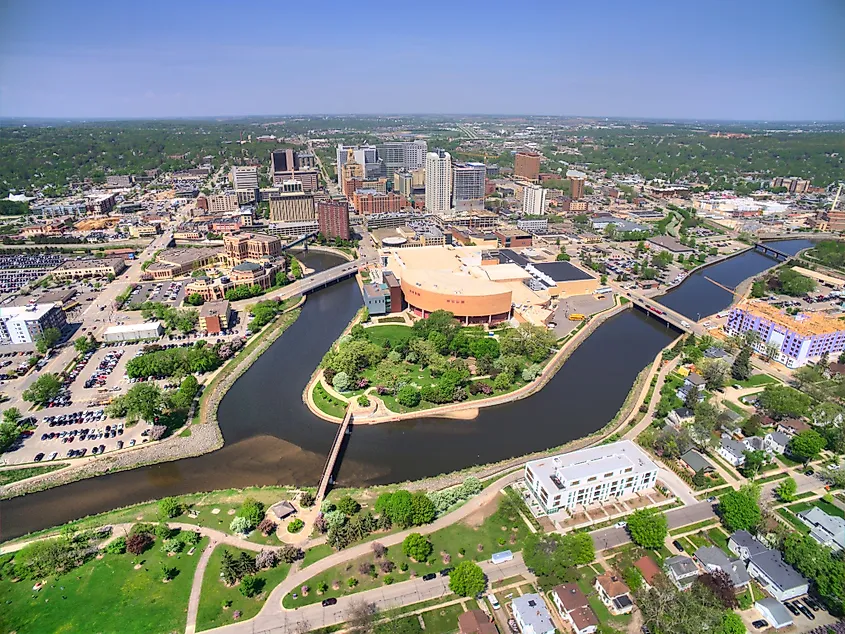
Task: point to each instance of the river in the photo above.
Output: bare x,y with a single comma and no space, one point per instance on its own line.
272,438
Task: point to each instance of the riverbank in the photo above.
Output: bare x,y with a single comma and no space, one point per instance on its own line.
203,432
465,410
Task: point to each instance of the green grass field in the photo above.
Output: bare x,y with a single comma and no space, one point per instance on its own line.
316,553
449,540
327,403
390,332
757,380
214,592
14,475
104,596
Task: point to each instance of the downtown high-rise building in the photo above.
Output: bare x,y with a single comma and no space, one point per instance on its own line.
333,218
244,177
364,155
533,200
438,181
527,165
402,155
468,185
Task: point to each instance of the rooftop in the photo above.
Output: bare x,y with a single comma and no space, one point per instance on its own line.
670,244
807,324
648,569
556,471
70,265
30,312
187,255
562,271
213,309
612,584
532,609
775,568
570,596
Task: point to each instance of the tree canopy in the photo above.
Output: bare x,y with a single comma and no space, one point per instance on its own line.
648,527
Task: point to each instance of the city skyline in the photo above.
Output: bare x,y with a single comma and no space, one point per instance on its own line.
715,61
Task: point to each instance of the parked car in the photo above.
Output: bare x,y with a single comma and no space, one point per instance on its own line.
791,608
432,575
678,545
328,602
761,624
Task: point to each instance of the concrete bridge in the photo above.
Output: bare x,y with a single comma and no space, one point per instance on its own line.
763,248
328,469
659,311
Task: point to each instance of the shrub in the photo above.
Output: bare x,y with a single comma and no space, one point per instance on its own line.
386,566
379,550
403,566
168,572
353,581
408,396
138,543
172,545
388,580
266,559
239,525
253,511
307,499
363,400
365,568
341,382
267,526
191,538
250,586
290,554
323,587
117,547
163,531
168,508
295,525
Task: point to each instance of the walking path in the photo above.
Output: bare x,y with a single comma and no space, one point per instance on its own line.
196,588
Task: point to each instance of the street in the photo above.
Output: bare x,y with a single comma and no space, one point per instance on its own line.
682,516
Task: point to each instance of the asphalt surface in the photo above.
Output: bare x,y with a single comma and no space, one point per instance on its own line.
682,516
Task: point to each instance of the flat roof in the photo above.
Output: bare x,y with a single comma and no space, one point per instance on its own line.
152,325
27,313
187,255
215,308
594,461
70,265
668,243
562,271
803,323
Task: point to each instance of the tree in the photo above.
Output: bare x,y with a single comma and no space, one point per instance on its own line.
184,396
340,382
731,624
45,388
348,506
47,339
423,509
252,511
793,283
806,445
715,373
739,510
741,368
786,490
693,397
12,416
484,347
169,508
84,344
360,617
667,609
408,396
754,461
195,299
143,401
417,547
648,528
229,568
467,579
720,584
138,543
780,401
401,510
250,586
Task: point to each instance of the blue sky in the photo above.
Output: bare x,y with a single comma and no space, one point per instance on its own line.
709,59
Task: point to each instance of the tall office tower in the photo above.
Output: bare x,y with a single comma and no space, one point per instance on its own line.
333,216
402,155
403,183
527,165
438,181
244,177
365,155
576,187
468,186
282,161
533,200
292,204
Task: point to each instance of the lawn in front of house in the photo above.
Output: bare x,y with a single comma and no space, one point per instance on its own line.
211,612
105,595
757,380
494,534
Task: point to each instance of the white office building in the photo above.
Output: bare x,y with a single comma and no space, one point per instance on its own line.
468,181
402,155
589,475
24,324
438,182
533,200
244,177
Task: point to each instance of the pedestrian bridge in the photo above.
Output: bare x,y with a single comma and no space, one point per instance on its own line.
328,469
778,255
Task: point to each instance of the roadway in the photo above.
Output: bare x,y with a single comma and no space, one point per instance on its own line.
682,516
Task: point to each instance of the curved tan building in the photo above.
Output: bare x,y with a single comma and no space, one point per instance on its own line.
470,299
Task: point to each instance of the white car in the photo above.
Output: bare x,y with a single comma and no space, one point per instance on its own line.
620,525
493,601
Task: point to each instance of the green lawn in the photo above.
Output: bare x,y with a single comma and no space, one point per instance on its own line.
214,592
789,462
720,538
14,475
790,517
757,380
692,527
316,553
714,493
450,540
735,407
327,403
442,620
105,595
827,507
390,332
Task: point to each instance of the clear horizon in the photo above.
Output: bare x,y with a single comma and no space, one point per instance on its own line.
714,61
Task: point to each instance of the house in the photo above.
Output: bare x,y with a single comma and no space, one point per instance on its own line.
778,578
712,559
695,462
573,606
731,450
693,379
648,569
792,426
776,442
774,612
614,593
731,422
531,614
754,443
718,354
681,571
826,529
744,545
476,622
681,416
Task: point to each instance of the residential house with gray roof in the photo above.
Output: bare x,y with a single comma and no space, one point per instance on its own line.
826,529
681,571
713,559
744,545
732,450
777,577
531,614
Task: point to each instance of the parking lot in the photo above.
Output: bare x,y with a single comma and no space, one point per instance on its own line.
16,271
166,292
73,432
579,304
